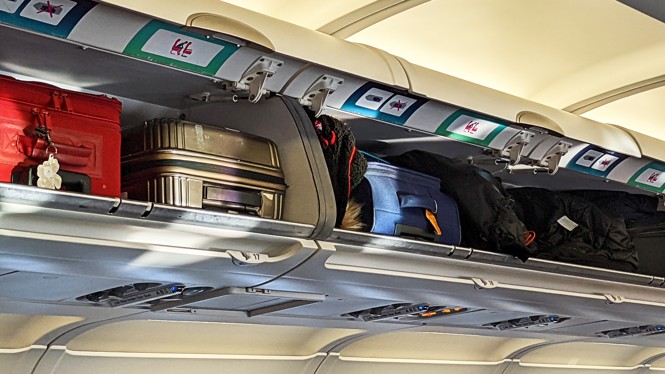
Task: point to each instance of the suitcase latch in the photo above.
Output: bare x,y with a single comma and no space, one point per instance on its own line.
255,77
316,95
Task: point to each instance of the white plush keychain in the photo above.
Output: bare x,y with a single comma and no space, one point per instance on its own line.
47,174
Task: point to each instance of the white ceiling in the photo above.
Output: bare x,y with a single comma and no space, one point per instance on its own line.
556,52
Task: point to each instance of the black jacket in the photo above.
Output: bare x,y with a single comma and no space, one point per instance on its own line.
598,240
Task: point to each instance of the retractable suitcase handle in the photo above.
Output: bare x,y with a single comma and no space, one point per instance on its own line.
429,207
417,201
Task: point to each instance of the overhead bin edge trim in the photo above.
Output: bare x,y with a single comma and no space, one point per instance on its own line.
535,119
605,98
229,26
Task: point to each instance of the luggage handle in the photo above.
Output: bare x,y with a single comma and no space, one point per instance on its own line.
407,231
430,207
417,201
232,199
39,149
60,100
73,182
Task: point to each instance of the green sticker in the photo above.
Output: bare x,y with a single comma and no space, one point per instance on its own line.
650,177
471,127
169,45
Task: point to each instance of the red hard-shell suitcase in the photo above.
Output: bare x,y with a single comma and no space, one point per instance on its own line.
82,130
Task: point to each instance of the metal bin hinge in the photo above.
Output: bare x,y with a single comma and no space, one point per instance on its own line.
316,95
255,77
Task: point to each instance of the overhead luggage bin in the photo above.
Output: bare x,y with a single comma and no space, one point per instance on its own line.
272,34
455,91
180,346
26,330
587,355
424,346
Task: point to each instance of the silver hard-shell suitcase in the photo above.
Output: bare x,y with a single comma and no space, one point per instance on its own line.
189,164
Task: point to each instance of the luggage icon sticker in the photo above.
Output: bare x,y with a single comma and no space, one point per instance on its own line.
595,161
54,17
375,101
398,105
651,177
47,11
10,6
471,127
169,45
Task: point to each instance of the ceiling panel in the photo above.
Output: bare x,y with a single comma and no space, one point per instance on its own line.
526,48
643,112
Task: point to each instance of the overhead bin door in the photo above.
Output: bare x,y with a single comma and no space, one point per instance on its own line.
176,347
455,91
382,281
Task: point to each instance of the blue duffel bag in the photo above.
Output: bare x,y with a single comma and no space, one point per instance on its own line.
406,203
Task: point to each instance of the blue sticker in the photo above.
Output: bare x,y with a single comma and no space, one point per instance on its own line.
53,17
375,101
596,161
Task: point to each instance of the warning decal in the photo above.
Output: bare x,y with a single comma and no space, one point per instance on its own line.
595,161
53,17
375,101
471,127
169,45
650,177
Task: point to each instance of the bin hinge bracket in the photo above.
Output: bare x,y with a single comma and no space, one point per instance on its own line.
509,155
255,77
316,95
515,146
614,299
553,156
480,284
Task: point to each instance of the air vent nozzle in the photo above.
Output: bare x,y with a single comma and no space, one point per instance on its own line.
526,322
633,331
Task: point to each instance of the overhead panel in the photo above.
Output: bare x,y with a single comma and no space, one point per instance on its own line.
556,53
643,112
353,22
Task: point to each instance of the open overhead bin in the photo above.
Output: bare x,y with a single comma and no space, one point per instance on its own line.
91,249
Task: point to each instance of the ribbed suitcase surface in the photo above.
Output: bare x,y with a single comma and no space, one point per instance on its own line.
188,164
